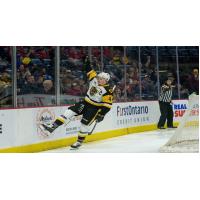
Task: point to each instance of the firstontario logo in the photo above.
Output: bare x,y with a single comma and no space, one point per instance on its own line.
132,110
132,115
46,116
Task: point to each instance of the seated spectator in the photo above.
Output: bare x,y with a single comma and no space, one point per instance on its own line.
133,91
147,86
152,75
3,62
30,86
40,81
5,90
118,96
74,55
66,84
69,74
47,87
2,85
46,75
129,91
117,58
23,71
75,90
83,87
5,81
133,73
193,82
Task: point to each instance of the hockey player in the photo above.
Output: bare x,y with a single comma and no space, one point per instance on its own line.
96,104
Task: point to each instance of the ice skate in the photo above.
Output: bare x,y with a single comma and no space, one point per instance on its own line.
47,127
76,145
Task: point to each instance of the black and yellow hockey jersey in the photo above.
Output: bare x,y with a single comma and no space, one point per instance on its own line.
98,95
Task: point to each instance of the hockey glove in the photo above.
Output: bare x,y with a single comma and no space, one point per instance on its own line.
99,118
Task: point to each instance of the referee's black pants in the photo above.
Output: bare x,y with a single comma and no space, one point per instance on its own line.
166,111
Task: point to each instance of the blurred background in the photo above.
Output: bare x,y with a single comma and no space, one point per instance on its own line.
34,76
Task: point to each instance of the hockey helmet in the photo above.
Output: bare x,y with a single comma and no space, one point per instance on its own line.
104,75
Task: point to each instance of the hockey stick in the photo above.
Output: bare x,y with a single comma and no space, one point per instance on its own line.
114,88
90,133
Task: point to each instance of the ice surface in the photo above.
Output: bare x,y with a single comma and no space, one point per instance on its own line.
146,142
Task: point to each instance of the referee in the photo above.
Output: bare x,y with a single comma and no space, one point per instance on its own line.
165,104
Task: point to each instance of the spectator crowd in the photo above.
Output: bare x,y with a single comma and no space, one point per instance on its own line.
36,71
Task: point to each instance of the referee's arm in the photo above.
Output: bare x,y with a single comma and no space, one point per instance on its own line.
165,88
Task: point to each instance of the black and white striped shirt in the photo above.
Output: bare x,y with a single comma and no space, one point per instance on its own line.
166,93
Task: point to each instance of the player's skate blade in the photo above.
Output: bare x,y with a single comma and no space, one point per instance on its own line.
47,128
76,145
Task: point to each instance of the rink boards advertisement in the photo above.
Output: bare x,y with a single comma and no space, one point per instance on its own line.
19,127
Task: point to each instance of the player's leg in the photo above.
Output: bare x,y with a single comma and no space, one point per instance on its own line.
64,118
88,118
84,129
163,116
59,121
